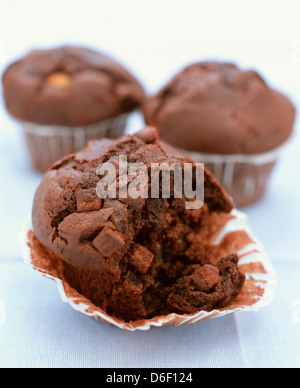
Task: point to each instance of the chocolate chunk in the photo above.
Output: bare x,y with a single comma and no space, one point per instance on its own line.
205,278
141,259
148,135
108,242
88,200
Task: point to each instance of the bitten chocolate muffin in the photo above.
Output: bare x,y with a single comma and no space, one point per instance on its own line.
67,96
134,258
225,116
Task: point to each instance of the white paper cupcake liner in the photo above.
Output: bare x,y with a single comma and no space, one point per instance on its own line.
244,177
257,292
48,144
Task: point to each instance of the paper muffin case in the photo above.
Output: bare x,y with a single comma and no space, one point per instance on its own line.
245,177
48,144
231,234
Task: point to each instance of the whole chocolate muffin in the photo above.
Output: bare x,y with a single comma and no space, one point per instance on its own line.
67,96
69,86
134,258
224,116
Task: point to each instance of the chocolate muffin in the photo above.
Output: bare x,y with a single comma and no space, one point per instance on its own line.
228,118
67,96
134,258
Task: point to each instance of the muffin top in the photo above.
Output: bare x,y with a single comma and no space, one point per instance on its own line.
217,108
134,257
69,217
69,86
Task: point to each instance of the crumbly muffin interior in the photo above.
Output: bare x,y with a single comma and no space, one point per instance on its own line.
164,269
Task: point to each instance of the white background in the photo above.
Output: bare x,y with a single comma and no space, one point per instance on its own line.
154,39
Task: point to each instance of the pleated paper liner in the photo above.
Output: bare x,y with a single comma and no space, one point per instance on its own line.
245,177
48,144
230,233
